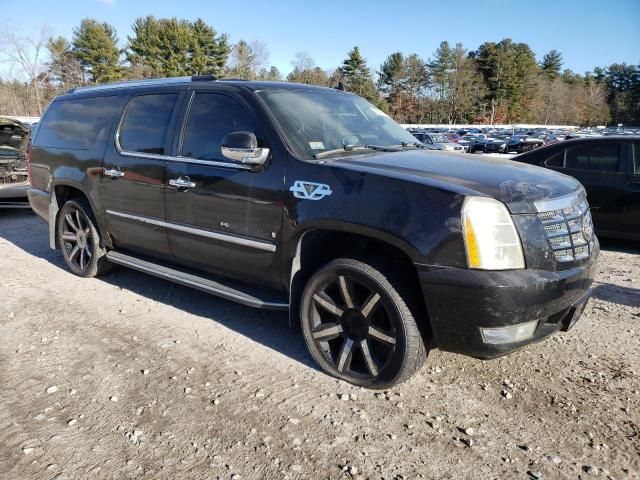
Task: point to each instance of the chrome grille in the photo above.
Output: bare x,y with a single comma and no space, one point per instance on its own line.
569,227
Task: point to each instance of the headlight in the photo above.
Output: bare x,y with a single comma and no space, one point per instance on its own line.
490,237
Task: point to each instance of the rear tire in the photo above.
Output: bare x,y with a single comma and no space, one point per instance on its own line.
79,240
358,327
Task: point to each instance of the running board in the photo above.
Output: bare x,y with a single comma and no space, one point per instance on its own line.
228,292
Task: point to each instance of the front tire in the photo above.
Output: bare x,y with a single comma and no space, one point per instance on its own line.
79,240
358,327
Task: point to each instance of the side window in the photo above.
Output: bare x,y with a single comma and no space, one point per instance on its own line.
146,121
636,158
556,160
603,157
211,118
78,124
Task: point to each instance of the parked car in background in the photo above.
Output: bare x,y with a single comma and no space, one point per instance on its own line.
311,200
495,144
523,143
14,176
439,141
454,137
609,169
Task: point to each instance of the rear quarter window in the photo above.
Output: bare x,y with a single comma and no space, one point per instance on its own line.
77,124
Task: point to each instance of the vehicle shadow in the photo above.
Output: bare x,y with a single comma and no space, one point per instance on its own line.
269,328
609,292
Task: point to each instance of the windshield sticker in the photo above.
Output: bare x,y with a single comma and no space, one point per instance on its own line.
316,145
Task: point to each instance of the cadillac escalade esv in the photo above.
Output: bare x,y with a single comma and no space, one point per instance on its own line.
310,199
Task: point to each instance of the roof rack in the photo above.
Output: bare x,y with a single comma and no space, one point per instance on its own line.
133,83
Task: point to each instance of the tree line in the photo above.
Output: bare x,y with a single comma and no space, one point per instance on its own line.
499,82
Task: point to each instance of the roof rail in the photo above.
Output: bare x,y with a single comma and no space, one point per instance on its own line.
132,83
208,77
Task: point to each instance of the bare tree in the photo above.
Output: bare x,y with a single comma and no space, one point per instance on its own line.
27,54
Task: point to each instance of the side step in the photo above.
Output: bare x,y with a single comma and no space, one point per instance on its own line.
234,293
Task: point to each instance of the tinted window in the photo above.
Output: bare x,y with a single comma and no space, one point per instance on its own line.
636,158
77,124
146,123
556,160
211,118
603,157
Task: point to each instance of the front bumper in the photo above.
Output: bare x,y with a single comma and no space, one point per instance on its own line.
462,301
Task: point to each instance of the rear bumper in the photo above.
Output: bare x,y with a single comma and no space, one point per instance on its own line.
460,302
39,201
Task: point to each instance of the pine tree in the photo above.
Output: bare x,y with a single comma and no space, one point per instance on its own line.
356,77
170,47
551,64
95,45
208,51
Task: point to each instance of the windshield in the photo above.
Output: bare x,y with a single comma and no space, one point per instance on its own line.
318,120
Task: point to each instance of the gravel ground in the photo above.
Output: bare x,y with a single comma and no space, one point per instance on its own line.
130,376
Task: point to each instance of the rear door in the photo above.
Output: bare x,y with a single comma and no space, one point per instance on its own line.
600,167
229,218
133,183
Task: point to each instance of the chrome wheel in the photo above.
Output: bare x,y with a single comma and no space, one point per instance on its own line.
77,239
353,326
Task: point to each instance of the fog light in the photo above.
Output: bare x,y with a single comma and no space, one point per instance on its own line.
510,334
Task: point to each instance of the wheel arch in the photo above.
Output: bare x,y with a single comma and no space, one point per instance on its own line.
317,246
63,191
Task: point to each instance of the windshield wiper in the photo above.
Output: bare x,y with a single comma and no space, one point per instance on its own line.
410,144
355,148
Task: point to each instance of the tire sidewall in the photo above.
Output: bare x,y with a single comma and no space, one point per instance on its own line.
72,206
326,275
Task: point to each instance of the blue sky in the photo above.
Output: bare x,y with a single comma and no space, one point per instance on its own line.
587,32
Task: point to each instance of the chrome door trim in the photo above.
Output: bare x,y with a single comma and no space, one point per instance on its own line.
245,242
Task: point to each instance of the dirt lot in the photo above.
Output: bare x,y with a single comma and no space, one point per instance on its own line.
129,376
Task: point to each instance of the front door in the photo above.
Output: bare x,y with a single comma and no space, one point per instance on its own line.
226,217
133,184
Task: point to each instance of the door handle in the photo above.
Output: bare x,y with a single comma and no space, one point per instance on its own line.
113,173
182,182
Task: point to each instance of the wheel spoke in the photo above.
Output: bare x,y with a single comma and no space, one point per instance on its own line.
344,357
88,252
79,219
344,289
369,304
71,222
381,336
327,331
328,305
82,259
74,251
69,237
366,352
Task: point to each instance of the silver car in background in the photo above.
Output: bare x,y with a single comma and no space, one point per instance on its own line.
14,176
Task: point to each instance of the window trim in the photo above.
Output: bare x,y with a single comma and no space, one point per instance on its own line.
131,153
632,162
183,126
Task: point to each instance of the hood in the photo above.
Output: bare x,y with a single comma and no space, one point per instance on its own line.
14,138
516,184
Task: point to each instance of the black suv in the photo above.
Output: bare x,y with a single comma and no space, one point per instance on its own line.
310,199
609,169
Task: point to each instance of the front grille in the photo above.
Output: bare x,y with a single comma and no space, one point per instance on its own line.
569,227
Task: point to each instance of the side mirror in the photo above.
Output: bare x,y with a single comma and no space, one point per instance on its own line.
242,147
